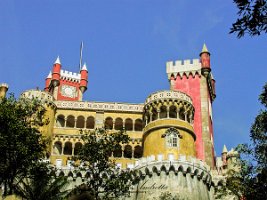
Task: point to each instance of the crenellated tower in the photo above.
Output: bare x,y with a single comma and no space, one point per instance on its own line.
195,79
3,90
65,85
168,133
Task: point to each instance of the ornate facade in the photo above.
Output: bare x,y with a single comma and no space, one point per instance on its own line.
171,145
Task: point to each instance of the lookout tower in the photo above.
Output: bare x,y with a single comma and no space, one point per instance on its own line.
168,132
65,85
195,79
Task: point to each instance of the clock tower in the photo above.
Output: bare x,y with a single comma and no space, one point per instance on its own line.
65,85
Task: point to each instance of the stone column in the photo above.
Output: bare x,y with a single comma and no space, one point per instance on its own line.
75,122
85,119
72,150
63,146
168,111
158,113
113,124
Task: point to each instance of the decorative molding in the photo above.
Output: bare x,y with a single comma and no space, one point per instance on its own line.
168,94
100,106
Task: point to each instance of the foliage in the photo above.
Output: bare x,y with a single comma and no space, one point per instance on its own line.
251,181
41,184
252,17
105,180
20,143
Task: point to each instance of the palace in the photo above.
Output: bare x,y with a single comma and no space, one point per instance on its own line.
171,145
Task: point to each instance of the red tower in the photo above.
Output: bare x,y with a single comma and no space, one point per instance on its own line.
195,79
65,85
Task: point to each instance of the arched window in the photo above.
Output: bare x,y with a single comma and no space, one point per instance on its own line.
172,137
90,123
127,151
117,152
138,125
67,148
57,149
118,124
181,114
128,124
77,147
70,121
109,123
60,121
80,122
154,114
138,151
173,113
163,112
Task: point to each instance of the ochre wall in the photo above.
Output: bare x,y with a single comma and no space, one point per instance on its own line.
155,144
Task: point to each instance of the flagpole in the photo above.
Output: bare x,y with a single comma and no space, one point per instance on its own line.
81,55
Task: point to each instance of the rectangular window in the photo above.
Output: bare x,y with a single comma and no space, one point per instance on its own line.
174,142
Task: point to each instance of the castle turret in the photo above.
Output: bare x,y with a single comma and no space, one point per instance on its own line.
47,100
3,90
48,81
194,78
205,60
56,72
224,155
84,78
169,133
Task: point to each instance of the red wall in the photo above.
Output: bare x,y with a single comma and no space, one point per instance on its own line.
66,82
191,86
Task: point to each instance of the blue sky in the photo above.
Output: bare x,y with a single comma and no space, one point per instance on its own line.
126,46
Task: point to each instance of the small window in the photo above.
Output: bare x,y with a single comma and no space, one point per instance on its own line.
172,137
173,140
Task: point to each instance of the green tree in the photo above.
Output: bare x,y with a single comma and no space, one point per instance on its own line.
20,142
42,184
104,179
252,17
250,181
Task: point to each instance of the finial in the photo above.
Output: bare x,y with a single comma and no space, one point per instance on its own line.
204,49
57,61
49,75
84,67
224,149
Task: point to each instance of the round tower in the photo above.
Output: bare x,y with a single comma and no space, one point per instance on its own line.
47,101
168,132
48,81
56,72
205,61
84,78
3,90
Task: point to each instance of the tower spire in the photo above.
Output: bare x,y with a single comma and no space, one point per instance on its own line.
57,60
204,50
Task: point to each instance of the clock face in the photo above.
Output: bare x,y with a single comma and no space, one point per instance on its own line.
68,91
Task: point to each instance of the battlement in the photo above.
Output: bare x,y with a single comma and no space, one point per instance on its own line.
183,66
42,96
4,85
70,76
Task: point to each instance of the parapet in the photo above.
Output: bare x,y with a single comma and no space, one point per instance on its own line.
3,89
42,96
70,76
5,85
168,94
180,67
192,166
